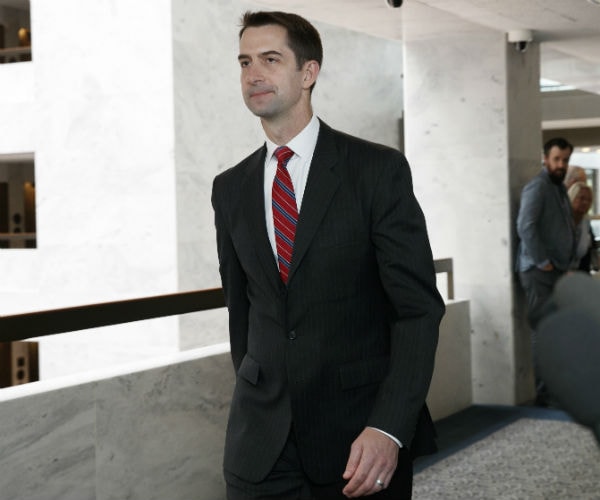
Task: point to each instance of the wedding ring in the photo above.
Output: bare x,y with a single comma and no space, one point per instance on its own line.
379,483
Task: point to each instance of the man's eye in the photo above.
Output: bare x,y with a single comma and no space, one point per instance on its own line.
243,64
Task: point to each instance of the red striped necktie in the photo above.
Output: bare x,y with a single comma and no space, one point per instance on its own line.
285,211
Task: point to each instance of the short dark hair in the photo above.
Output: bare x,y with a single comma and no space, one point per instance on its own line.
303,38
559,142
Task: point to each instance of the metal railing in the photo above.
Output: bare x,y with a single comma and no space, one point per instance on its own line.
70,319
43,323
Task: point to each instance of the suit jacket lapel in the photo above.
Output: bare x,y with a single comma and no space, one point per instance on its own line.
253,204
321,185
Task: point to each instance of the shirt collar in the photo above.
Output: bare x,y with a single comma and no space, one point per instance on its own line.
303,144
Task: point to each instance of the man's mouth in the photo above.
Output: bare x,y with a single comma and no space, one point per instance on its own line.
259,93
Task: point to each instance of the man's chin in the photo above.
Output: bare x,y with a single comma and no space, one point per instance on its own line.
258,106
260,112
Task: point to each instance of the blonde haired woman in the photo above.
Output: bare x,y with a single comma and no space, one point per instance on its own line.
581,196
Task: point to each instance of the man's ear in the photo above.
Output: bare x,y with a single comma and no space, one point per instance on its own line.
311,71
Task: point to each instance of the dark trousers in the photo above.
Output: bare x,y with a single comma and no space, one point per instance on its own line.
287,481
538,286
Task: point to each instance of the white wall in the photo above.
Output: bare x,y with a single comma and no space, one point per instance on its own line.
97,112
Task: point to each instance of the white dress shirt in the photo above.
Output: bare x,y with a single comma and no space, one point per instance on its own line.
303,146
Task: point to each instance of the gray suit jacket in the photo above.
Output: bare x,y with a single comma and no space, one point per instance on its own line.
545,225
351,340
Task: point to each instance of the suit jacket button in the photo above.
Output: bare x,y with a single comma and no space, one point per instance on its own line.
292,335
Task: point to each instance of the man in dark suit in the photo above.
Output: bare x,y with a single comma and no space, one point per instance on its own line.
547,236
330,286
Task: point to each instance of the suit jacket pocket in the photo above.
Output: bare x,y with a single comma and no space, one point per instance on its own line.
363,372
249,370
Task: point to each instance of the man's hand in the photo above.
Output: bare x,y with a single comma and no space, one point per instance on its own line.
373,456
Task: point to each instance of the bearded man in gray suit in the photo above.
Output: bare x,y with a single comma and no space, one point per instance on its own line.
547,235
330,285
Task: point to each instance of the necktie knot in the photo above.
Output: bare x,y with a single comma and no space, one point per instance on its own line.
283,155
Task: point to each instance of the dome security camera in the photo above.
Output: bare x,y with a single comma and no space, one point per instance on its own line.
520,39
394,3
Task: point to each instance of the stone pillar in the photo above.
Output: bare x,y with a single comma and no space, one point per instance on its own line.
472,121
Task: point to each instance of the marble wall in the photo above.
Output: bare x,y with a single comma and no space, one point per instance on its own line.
17,107
49,449
464,165
95,107
153,433
450,390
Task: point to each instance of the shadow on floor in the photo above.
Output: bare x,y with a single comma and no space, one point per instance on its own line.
476,422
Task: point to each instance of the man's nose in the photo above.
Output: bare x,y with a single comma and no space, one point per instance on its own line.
253,74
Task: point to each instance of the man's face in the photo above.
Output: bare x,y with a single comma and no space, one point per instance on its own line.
272,85
557,161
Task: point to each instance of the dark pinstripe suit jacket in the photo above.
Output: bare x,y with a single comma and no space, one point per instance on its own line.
351,341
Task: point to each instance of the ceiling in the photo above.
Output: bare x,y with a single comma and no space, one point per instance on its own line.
569,30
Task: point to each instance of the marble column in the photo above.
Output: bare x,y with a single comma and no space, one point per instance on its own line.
472,121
